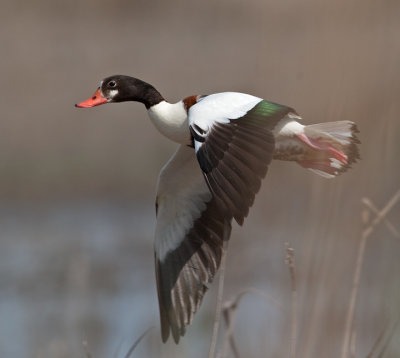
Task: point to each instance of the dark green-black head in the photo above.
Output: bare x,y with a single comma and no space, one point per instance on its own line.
120,88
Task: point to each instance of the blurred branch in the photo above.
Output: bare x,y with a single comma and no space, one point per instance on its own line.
377,342
229,311
135,344
292,269
357,273
386,341
353,343
370,205
218,309
381,214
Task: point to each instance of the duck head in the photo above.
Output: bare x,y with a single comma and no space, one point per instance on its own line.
120,88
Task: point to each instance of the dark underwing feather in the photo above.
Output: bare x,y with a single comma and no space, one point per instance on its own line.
234,157
183,277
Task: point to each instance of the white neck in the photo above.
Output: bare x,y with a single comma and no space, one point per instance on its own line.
171,120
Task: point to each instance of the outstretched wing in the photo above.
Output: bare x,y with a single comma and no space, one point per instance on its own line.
234,144
188,242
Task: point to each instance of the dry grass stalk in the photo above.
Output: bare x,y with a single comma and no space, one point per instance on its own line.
370,205
353,344
382,340
229,310
220,293
293,330
377,343
135,344
357,273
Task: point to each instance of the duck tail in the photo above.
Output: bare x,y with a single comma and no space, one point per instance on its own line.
332,147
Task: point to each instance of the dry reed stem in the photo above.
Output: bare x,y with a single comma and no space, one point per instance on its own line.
353,344
370,205
357,273
218,308
377,342
293,330
229,341
135,344
89,355
229,312
386,340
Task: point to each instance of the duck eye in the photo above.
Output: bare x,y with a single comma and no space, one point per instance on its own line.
112,84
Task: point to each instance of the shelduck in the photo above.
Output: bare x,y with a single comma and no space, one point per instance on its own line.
226,142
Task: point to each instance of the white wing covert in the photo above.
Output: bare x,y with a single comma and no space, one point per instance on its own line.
234,145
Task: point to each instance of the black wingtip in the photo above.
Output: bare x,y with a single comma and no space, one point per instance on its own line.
164,335
176,338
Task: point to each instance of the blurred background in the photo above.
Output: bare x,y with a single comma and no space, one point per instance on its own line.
77,187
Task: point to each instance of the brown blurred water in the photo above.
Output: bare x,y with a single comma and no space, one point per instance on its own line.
77,186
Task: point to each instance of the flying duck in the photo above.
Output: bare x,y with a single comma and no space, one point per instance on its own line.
226,142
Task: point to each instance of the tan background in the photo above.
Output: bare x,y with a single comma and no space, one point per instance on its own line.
77,186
